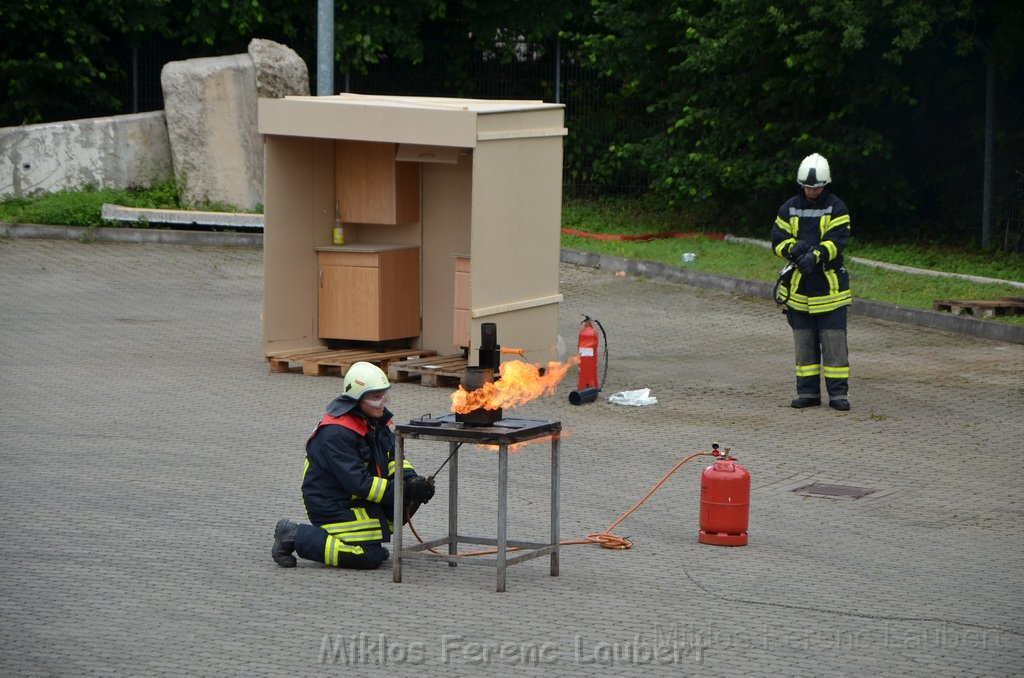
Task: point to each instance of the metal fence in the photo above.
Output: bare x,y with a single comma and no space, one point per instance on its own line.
1008,203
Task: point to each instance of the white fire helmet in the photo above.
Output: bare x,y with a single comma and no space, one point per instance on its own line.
814,172
364,378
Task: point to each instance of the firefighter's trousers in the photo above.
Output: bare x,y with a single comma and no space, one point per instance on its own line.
821,349
355,545
316,543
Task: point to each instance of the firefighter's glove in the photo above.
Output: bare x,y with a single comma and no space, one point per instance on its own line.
797,250
418,490
807,262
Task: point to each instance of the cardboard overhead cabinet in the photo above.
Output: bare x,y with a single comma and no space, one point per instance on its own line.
450,210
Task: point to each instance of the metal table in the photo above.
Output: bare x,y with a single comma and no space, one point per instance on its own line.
502,433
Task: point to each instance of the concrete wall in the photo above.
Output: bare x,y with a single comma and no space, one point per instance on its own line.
206,136
112,152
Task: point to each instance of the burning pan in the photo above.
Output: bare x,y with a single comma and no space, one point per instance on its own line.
473,379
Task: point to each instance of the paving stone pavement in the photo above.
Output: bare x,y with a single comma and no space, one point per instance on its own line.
147,451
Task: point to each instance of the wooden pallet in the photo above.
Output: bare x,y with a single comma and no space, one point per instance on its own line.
982,308
436,371
319,362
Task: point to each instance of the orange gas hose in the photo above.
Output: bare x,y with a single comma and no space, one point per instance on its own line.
606,539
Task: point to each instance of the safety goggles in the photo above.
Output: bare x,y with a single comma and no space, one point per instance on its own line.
377,399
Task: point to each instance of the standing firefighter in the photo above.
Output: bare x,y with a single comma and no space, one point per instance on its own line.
348,481
811,230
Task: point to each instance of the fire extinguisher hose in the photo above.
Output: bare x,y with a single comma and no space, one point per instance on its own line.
604,373
605,539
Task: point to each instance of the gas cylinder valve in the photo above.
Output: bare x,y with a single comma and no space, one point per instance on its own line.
715,452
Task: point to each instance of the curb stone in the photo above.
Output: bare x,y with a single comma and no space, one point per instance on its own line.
136,235
985,329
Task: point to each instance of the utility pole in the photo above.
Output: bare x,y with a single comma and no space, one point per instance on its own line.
325,48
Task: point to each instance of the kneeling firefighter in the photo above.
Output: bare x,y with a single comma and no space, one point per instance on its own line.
348,481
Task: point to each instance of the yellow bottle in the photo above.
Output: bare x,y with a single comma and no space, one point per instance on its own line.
339,230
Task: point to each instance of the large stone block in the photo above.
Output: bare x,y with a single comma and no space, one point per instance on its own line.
280,72
212,129
211,110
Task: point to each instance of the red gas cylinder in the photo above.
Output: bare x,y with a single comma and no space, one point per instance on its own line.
724,503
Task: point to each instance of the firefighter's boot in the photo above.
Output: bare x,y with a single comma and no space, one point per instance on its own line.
841,404
284,543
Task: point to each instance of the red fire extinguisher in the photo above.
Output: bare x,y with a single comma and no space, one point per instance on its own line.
587,385
724,501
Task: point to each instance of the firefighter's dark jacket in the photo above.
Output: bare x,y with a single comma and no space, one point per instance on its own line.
347,482
825,226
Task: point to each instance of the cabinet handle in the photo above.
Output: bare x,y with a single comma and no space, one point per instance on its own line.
321,277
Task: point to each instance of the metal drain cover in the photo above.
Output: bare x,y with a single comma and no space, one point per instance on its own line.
843,491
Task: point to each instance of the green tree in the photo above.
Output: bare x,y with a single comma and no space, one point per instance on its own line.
62,59
740,90
57,56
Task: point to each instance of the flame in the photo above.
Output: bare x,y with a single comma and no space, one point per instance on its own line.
520,383
515,448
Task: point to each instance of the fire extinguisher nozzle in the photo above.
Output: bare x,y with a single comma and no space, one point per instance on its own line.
584,396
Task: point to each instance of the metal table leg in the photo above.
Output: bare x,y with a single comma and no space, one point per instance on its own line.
453,501
502,513
555,449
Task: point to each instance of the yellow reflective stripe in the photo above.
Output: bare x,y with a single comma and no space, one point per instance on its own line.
337,529
831,248
305,469
363,528
843,220
833,283
796,301
830,302
808,370
333,547
361,521
781,247
406,464
798,304
823,304
366,535
377,488
786,226
836,372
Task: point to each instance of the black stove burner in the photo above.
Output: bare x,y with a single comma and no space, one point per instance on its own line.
504,430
